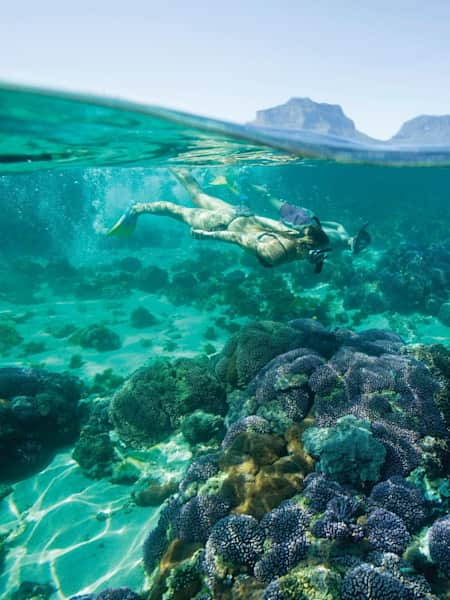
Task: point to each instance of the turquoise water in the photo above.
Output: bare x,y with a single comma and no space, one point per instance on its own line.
91,448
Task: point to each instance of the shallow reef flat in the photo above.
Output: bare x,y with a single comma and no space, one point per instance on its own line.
299,460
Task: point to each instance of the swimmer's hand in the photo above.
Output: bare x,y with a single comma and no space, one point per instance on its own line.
125,226
317,258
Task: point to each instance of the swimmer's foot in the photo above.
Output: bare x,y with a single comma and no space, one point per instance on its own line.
125,226
183,175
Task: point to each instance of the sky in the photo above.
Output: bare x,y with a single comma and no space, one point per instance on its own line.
382,61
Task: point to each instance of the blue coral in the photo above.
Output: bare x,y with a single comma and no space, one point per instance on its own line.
281,390
273,591
402,498
387,532
439,543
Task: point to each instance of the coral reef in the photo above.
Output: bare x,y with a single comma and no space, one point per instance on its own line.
234,546
39,412
261,525
99,337
202,427
251,349
439,543
94,451
348,452
153,401
9,337
387,532
402,498
142,318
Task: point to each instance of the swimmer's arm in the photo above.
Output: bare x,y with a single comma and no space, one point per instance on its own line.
233,237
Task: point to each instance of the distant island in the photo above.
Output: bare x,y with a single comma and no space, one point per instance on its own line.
330,119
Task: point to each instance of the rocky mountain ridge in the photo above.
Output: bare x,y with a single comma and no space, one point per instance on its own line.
330,119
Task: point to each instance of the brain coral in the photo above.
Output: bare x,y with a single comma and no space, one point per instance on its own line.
150,404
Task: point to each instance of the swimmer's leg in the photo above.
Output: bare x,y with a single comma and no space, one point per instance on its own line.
233,237
199,198
127,222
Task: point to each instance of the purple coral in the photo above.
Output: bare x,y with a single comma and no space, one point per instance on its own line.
122,593
439,543
196,518
251,423
273,591
387,532
200,470
283,384
284,529
402,498
366,581
157,540
394,392
320,490
237,540
338,521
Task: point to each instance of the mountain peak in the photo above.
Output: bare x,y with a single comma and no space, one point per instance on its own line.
425,129
304,113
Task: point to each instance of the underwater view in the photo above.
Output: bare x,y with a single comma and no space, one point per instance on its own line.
225,359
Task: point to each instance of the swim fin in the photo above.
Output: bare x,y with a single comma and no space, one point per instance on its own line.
125,226
361,240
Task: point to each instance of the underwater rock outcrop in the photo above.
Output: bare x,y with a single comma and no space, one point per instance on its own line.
39,411
152,402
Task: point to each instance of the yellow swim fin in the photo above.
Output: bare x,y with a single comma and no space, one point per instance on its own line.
125,226
222,180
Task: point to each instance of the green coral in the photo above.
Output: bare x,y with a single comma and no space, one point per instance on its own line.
9,337
201,426
151,404
105,382
94,450
99,337
33,347
185,580
310,583
348,452
251,348
141,318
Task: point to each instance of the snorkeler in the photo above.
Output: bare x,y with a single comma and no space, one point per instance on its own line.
271,241
297,217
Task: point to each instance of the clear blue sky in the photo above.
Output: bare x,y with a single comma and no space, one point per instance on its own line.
383,61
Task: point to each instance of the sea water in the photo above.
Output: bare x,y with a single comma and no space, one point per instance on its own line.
79,304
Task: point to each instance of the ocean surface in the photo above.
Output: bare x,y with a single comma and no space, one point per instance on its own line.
178,420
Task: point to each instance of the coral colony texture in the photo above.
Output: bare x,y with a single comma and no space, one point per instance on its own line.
181,422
